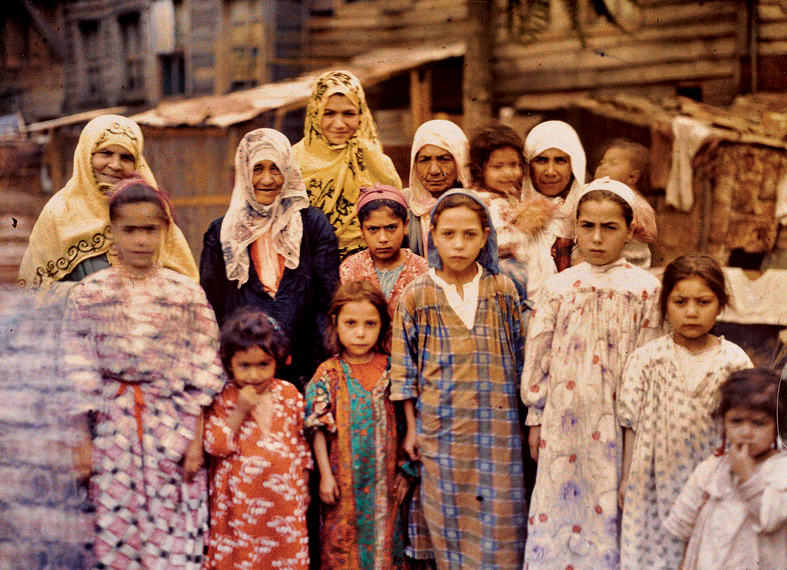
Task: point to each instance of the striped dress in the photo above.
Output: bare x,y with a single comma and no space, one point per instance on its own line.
465,384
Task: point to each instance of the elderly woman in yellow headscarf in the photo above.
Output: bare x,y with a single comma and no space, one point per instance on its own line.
340,152
71,238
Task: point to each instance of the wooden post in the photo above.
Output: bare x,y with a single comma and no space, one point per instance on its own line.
477,77
420,98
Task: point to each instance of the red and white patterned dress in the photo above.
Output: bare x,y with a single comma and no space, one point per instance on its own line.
144,355
260,485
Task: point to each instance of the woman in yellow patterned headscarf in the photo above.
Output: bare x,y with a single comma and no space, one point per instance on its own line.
340,152
70,239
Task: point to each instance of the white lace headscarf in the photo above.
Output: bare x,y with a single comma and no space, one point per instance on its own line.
247,220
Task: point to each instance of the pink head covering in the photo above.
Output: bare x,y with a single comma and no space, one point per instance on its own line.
380,192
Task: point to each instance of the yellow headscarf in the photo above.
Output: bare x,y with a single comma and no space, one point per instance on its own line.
334,174
73,225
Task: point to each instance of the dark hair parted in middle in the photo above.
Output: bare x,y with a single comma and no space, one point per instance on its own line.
457,200
249,328
694,265
355,291
488,139
604,195
366,210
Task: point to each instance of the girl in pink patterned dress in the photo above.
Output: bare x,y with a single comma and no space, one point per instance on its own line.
141,344
254,430
382,212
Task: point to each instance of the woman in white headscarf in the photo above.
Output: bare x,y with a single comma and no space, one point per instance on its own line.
556,174
438,162
273,251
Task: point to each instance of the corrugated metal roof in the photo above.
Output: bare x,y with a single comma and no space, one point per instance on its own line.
226,110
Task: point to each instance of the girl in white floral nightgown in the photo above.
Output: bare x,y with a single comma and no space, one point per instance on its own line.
586,322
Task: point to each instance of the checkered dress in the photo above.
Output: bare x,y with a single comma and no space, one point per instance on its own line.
465,384
144,355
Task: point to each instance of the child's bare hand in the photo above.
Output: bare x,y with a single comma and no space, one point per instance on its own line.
248,398
410,445
329,490
534,441
741,462
193,459
401,488
83,459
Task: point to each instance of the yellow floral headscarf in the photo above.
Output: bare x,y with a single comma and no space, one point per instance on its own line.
334,174
73,225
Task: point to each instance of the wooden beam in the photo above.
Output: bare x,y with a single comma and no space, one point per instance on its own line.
55,43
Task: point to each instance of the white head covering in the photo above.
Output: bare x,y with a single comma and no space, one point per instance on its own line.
247,220
448,136
611,186
559,135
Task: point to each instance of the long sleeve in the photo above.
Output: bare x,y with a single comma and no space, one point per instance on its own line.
535,375
765,495
325,271
220,439
650,327
319,407
203,374
213,272
686,510
634,384
404,351
80,358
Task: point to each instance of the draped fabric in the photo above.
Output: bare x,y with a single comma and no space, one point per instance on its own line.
247,220
74,224
448,136
334,174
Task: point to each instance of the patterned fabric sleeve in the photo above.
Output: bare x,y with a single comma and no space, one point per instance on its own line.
404,351
650,326
304,452
80,359
684,513
203,373
319,407
634,384
220,439
535,375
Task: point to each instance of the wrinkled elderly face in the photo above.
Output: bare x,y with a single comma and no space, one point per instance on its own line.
436,169
267,180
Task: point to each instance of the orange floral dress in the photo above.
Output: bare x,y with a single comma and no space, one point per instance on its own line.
259,486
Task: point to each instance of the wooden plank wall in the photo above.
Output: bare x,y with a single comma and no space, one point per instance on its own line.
678,44
359,27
